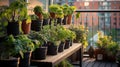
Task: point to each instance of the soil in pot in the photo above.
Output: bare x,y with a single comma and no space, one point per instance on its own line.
13,28
52,49
61,47
36,25
40,53
10,62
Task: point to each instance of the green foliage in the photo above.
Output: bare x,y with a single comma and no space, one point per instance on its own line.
53,8
67,10
38,38
38,9
64,63
81,34
16,11
77,15
23,44
7,47
105,42
46,15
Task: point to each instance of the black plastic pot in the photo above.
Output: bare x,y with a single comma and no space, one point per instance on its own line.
64,20
46,21
71,42
13,28
10,62
59,21
36,25
52,49
40,53
25,62
67,44
61,47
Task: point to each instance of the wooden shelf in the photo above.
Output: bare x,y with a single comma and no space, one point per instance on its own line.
55,59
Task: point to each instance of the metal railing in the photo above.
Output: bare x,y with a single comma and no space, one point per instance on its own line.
109,26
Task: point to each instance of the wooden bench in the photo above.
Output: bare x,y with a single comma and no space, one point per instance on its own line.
51,61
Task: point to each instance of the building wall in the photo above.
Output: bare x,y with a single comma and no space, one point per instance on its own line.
115,17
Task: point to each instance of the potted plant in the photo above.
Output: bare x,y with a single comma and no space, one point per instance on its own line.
13,16
46,19
53,10
25,47
40,50
7,52
60,15
68,11
62,35
26,21
71,10
38,10
36,24
50,32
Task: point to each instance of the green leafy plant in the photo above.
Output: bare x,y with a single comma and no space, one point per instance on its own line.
15,11
23,44
37,38
106,43
7,47
67,10
81,34
46,15
53,8
38,9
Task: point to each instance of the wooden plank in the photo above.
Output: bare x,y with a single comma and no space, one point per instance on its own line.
91,63
114,65
55,59
108,64
97,64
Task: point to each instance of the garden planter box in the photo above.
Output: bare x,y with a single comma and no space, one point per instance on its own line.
100,55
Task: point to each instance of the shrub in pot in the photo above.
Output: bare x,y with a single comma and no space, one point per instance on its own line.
38,10
60,15
40,50
25,48
109,46
51,33
7,52
36,24
46,18
62,35
13,15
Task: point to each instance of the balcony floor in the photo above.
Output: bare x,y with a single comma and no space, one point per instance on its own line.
87,62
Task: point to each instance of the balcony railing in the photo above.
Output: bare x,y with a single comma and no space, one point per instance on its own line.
107,21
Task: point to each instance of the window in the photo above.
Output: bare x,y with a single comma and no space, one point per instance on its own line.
114,23
115,18
115,14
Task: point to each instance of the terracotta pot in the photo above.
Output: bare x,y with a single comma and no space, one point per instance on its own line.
53,15
26,27
69,20
39,15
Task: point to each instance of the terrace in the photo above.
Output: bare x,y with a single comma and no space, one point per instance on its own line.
105,20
